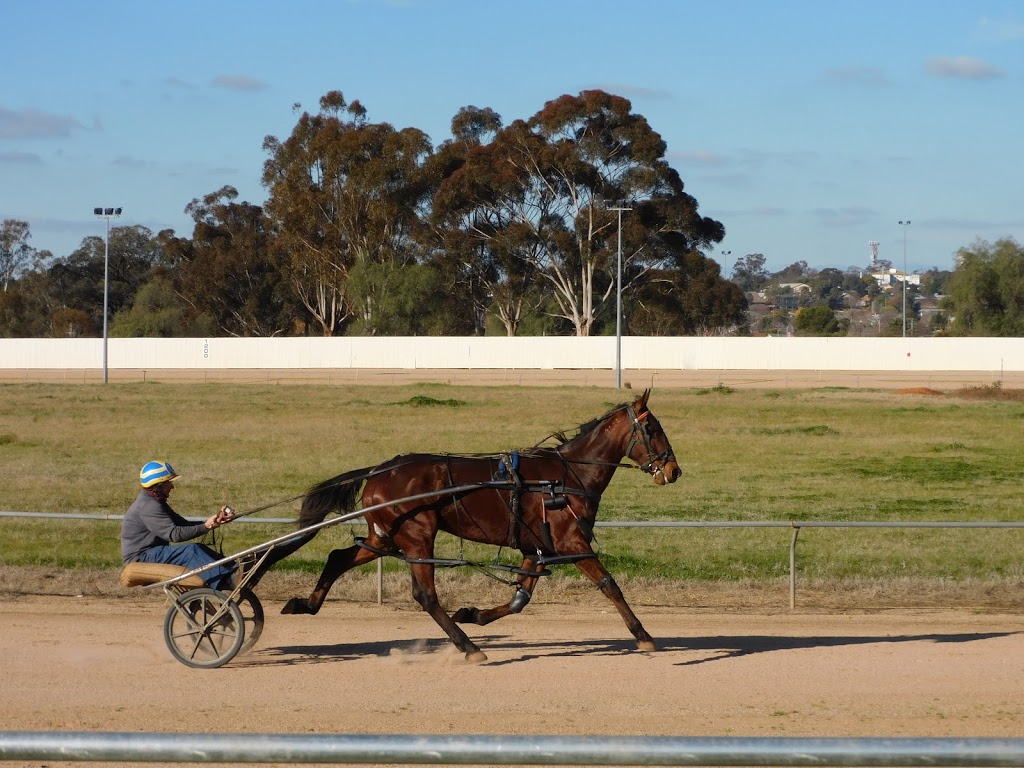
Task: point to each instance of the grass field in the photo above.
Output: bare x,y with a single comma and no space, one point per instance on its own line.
747,455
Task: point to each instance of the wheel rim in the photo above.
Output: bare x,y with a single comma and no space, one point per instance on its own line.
204,628
252,616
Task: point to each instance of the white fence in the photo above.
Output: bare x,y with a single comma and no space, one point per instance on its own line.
992,355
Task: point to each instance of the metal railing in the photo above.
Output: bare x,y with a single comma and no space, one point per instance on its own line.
795,526
507,750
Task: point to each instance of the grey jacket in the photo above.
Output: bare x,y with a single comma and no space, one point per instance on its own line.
150,522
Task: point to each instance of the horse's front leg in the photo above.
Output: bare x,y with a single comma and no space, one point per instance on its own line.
338,563
598,574
519,600
425,593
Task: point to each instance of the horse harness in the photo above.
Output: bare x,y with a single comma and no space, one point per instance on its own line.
508,466
508,478
641,429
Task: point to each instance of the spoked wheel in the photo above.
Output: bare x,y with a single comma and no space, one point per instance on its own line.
204,628
252,616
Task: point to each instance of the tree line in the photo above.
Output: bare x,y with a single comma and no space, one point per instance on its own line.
368,229
500,229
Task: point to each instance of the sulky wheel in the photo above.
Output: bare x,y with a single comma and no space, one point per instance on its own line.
252,617
204,628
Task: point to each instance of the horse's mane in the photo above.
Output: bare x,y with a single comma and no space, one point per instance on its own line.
564,436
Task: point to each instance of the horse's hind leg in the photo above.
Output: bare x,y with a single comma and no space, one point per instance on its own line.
338,563
425,592
519,600
598,574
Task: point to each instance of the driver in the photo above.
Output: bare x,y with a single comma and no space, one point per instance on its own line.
150,526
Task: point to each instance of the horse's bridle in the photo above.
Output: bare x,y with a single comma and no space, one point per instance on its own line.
652,457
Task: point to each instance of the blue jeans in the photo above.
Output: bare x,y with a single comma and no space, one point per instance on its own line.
192,556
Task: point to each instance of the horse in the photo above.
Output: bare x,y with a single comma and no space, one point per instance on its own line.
541,501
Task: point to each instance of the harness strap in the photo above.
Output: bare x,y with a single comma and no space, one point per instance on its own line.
508,465
638,429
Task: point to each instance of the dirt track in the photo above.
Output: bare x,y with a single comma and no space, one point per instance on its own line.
99,663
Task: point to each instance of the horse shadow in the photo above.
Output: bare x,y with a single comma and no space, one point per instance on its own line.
715,648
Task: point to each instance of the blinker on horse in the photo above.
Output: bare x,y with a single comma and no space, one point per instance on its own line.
545,506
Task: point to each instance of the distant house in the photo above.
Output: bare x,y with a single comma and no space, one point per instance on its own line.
758,305
929,309
787,295
854,301
893,277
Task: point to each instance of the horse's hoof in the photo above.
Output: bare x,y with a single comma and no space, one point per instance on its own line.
296,605
476,657
466,616
646,645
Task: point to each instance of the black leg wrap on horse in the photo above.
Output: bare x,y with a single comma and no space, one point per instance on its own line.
519,600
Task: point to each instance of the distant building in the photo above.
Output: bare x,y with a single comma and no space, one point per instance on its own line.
893,277
796,287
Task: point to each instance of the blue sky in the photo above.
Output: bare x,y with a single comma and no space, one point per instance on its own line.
807,128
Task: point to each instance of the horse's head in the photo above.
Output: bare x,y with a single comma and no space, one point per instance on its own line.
648,445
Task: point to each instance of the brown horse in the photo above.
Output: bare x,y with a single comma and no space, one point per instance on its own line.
542,501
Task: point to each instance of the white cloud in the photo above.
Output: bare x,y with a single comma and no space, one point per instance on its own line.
966,67
850,216
20,158
239,83
35,124
177,82
703,158
126,161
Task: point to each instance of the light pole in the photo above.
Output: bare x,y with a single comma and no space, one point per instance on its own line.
108,214
905,224
618,304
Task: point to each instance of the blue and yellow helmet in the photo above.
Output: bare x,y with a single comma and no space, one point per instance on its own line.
156,472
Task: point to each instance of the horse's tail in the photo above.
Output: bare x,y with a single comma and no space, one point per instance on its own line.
338,494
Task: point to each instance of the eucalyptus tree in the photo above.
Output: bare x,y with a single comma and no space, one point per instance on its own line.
750,273
476,243
15,252
77,280
26,304
689,299
343,195
541,194
985,293
227,271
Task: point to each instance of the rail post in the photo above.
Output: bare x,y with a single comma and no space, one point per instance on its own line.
792,565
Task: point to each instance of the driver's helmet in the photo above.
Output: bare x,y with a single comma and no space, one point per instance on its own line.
156,472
